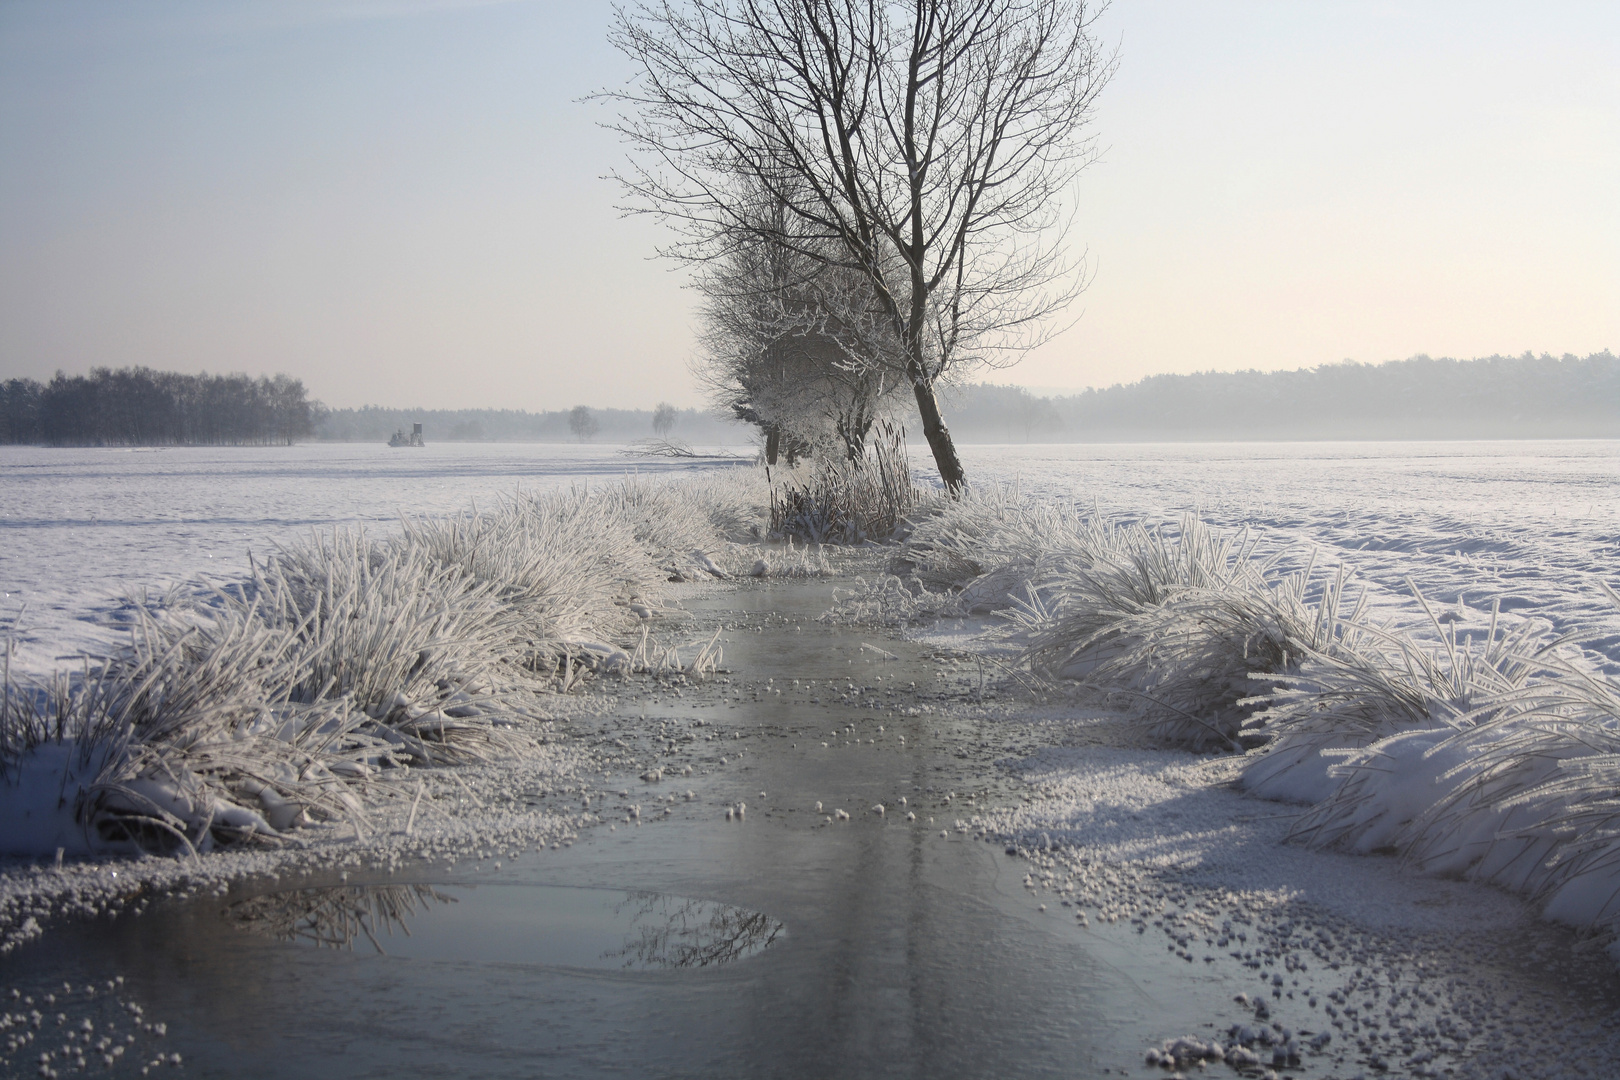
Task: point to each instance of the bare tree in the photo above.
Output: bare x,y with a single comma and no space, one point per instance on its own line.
582,423
928,146
664,419
798,346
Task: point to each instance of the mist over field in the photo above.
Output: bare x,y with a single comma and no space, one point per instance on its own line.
1497,397
374,423
1523,397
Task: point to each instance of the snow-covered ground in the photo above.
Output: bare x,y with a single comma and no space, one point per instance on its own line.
1418,974
1531,523
82,528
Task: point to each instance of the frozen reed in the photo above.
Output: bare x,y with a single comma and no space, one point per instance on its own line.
1491,752
292,700
847,502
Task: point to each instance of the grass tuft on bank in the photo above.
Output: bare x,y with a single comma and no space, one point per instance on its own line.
292,703
1491,753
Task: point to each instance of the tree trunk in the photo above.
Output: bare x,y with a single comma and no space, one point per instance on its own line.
939,438
773,443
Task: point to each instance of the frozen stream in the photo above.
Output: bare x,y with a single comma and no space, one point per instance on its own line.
903,953
794,943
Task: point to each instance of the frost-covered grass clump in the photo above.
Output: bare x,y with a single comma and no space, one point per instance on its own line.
1510,775
294,700
837,501
1491,752
1178,623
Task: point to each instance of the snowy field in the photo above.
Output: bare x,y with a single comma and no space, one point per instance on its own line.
82,528
1530,522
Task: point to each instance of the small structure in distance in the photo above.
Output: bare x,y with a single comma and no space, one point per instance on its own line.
400,438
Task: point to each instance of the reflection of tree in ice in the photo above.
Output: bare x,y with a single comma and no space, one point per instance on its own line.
336,918
675,932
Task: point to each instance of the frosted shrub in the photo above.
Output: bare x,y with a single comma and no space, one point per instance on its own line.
1182,626
974,554
1571,804
289,699
1520,792
1376,683
377,623
171,745
987,544
557,564
1492,755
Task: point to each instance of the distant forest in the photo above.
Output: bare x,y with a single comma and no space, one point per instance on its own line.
1498,397
373,423
141,407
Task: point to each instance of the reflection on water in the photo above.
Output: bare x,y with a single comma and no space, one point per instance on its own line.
676,932
513,924
335,918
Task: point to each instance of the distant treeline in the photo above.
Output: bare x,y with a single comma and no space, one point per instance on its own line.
1498,397
141,407
373,423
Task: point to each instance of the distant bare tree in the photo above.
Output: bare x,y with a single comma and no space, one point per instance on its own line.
929,146
664,419
582,423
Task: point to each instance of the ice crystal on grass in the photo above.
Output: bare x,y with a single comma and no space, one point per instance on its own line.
847,502
240,715
1491,752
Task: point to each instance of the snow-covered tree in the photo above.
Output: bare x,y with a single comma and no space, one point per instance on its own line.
797,346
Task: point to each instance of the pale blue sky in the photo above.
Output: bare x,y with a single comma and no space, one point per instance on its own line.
402,202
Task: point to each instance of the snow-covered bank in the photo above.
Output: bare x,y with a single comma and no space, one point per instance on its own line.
295,703
493,810
1529,522
83,529
1343,966
1476,743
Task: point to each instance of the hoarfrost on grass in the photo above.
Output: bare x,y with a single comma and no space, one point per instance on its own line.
297,700
1473,742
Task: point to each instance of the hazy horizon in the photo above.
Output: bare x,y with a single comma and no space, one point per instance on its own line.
400,199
